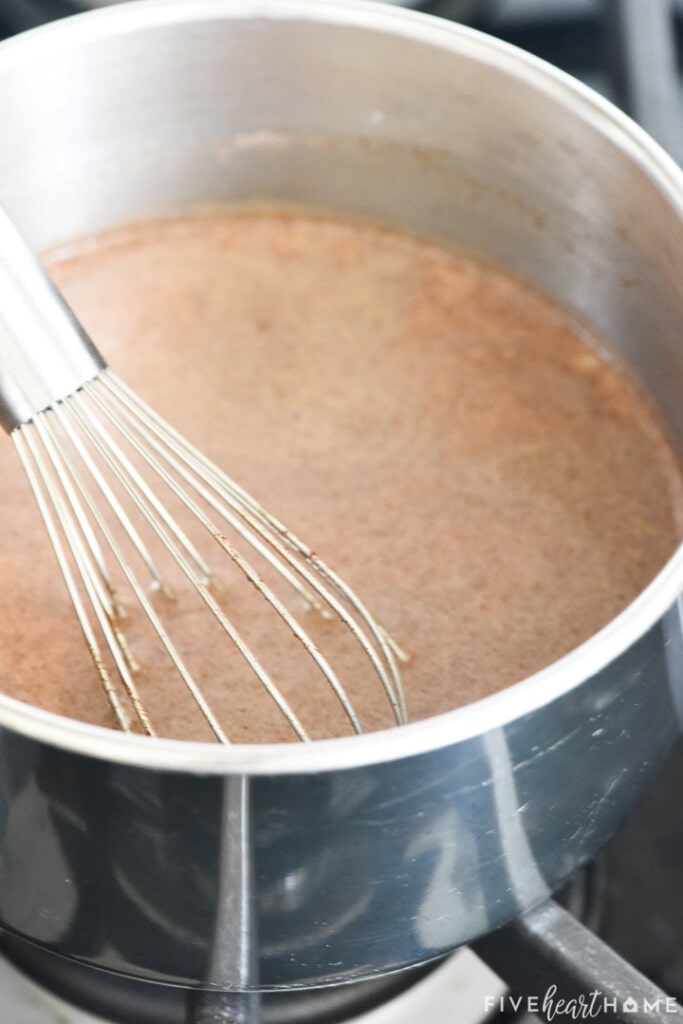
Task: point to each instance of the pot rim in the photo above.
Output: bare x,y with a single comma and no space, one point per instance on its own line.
512,702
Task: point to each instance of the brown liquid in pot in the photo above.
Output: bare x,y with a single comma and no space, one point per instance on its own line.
442,434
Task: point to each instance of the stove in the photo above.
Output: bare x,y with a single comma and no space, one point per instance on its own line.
630,897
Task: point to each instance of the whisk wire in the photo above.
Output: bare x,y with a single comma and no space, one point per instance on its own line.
120,513
120,467
227,497
225,484
247,570
60,462
68,504
36,471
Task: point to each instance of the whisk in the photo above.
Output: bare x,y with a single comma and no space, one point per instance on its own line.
107,472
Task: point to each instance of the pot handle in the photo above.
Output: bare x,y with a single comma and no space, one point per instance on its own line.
560,968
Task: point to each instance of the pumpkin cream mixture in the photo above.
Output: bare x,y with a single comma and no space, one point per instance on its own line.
456,446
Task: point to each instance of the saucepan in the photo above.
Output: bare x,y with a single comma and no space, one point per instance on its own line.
268,868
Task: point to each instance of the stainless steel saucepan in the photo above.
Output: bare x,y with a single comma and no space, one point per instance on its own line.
269,867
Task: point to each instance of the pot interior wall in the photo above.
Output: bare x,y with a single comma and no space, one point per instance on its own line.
426,128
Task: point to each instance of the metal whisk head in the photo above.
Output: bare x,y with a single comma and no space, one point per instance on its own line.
121,494
124,496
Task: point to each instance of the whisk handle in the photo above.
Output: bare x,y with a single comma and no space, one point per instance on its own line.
45,354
